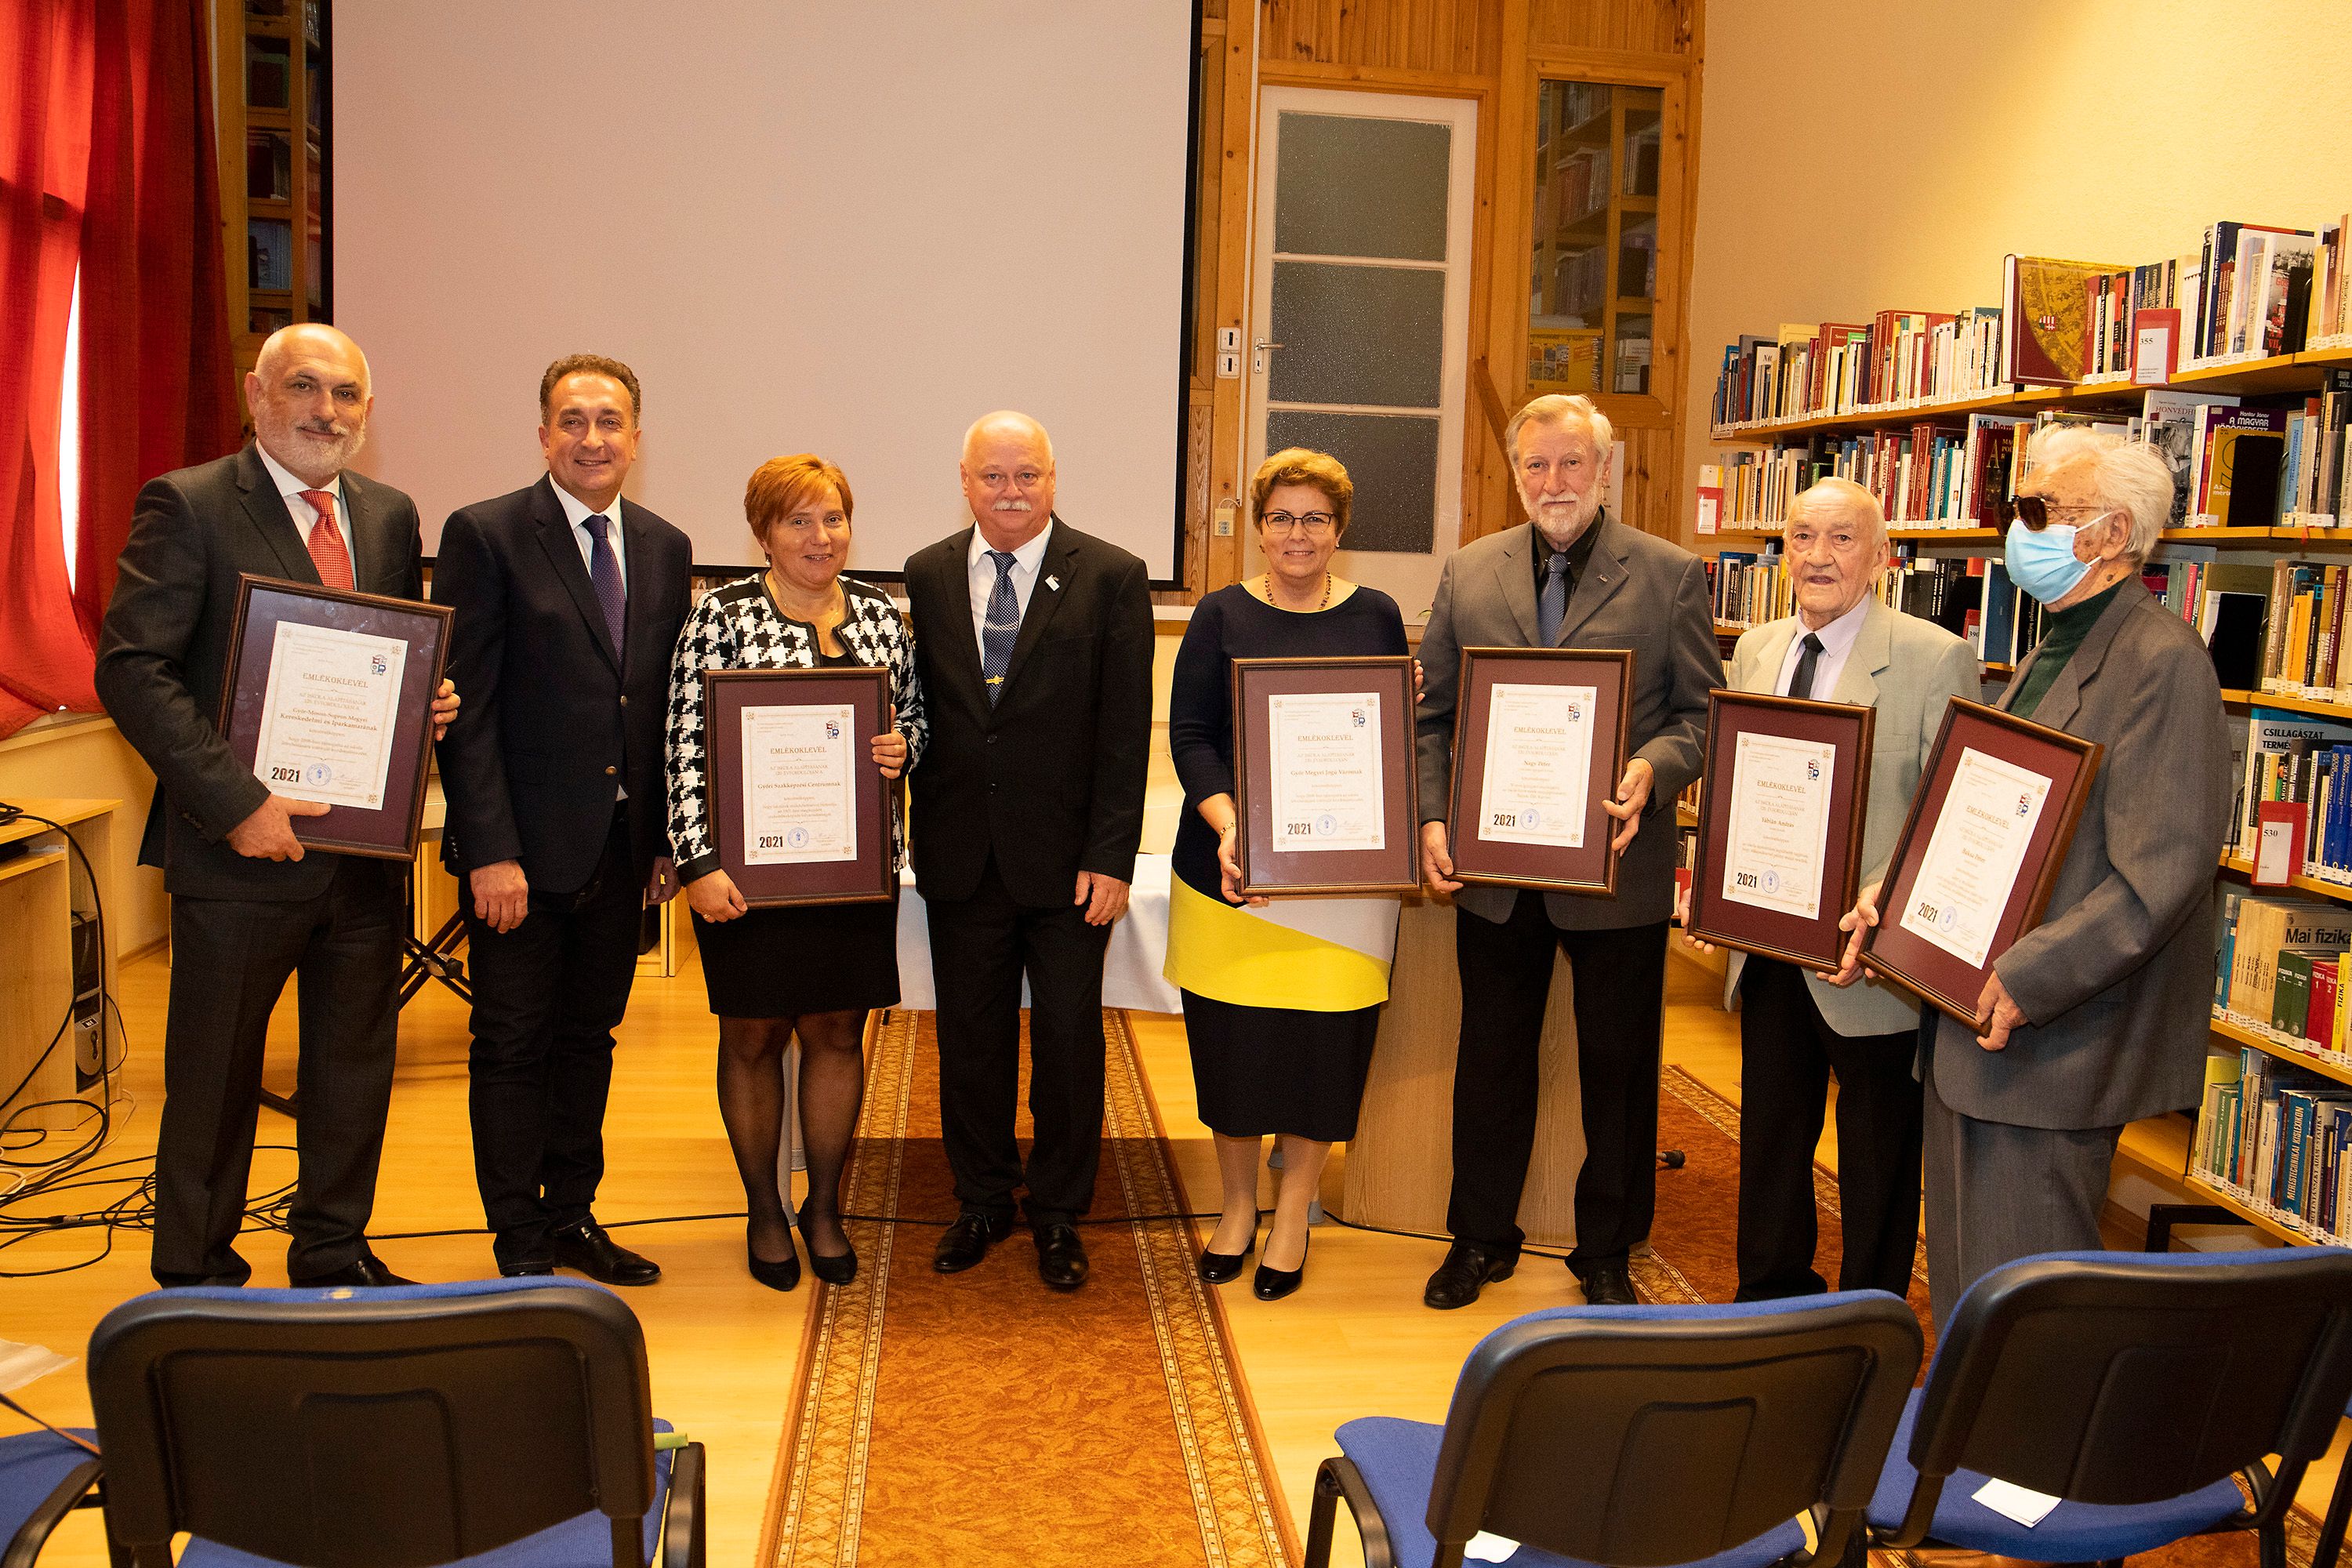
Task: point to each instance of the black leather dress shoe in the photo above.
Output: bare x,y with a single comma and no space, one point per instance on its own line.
529,1269
1274,1284
586,1247
782,1274
1222,1267
1469,1269
366,1269
833,1267
1061,1257
1608,1285
967,1240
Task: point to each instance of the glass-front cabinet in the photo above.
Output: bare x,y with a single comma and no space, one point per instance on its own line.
1596,268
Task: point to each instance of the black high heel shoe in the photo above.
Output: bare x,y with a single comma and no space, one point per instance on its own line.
1222,1267
839,1269
783,1274
1274,1284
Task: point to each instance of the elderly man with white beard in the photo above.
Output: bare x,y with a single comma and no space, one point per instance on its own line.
1572,577
249,908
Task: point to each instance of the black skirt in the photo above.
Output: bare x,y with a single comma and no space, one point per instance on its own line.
1279,1069
805,958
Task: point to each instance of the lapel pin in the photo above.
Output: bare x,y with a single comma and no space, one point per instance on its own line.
1054,583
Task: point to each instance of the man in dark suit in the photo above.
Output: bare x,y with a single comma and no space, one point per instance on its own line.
568,601
1033,642
248,906
1571,577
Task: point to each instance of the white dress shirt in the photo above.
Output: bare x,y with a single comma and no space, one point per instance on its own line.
291,490
1837,641
576,511
980,572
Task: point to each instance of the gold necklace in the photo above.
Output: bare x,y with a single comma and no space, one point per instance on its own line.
1321,604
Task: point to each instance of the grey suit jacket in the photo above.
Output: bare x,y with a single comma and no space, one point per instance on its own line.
1637,592
164,646
2116,983
1908,669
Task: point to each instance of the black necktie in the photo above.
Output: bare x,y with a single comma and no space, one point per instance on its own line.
1801,683
604,574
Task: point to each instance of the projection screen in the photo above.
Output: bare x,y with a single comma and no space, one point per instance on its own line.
849,229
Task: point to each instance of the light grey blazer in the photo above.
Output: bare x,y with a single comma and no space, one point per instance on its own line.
2116,983
1637,592
1908,669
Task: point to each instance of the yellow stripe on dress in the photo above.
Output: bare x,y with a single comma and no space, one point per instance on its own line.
1230,955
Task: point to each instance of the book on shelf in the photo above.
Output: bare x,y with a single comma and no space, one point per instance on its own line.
2048,328
2265,928
2307,762
2275,1136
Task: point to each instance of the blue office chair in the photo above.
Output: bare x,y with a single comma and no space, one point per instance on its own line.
1639,1436
501,1422
2134,1386
43,1477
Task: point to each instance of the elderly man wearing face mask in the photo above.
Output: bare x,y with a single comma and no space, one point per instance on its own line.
1572,577
2099,1014
1795,1028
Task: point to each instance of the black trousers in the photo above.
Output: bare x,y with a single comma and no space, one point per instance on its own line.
1787,1052
980,947
230,962
1620,993
546,996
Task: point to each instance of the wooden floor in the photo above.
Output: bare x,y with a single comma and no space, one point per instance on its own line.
1354,1341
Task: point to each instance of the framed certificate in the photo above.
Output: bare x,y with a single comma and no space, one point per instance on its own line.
1988,830
1538,743
801,813
329,698
1780,826
1324,775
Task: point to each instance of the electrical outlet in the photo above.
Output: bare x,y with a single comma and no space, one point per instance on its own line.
1229,365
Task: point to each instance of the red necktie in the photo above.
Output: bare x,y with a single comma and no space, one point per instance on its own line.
327,551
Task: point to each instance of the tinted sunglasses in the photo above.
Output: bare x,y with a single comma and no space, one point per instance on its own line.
2034,512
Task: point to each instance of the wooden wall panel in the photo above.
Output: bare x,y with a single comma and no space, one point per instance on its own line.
1459,37
1637,26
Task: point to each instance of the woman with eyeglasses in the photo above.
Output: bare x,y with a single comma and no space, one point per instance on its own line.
1281,1001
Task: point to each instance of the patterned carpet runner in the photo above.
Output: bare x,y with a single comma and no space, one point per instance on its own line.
980,1417
1692,1259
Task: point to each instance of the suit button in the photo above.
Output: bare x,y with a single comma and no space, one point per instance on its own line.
992,740
625,702
610,772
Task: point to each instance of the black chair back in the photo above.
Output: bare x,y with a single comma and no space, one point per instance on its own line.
1659,1438
2128,1378
388,1430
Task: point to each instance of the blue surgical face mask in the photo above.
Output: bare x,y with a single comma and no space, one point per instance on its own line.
2043,561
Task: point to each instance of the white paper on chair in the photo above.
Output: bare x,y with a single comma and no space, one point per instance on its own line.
1486,1547
21,1364
2014,1501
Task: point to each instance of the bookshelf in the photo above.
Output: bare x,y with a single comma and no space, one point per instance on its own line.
272,94
1596,273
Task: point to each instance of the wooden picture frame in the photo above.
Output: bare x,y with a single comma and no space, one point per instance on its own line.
1276,859
2063,766
1589,866
1756,922
326,746
870,873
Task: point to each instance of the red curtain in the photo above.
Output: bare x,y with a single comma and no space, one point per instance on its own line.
106,166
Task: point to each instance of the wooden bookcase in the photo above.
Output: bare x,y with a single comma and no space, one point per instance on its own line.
42,887
273,99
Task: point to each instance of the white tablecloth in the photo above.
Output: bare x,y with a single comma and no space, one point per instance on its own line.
1131,978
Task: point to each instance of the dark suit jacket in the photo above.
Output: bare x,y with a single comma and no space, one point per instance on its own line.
554,716
163,648
1051,778
2116,983
1636,592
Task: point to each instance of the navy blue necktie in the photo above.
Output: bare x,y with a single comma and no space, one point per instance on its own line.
999,627
604,572
1551,603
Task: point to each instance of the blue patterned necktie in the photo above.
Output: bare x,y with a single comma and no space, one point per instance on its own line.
604,572
1551,604
999,627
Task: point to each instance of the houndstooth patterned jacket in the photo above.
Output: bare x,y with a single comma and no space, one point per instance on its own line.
737,626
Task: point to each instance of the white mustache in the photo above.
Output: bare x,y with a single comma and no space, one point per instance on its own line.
1012,506
317,428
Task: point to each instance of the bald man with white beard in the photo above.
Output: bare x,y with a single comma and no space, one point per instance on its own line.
1033,642
249,906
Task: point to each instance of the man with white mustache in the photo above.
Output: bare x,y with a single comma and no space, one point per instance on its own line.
249,908
1033,642
1572,577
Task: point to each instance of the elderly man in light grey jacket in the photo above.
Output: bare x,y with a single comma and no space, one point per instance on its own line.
1572,577
1795,1029
2099,1015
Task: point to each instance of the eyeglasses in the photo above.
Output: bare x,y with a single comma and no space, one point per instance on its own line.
2036,513
1314,524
